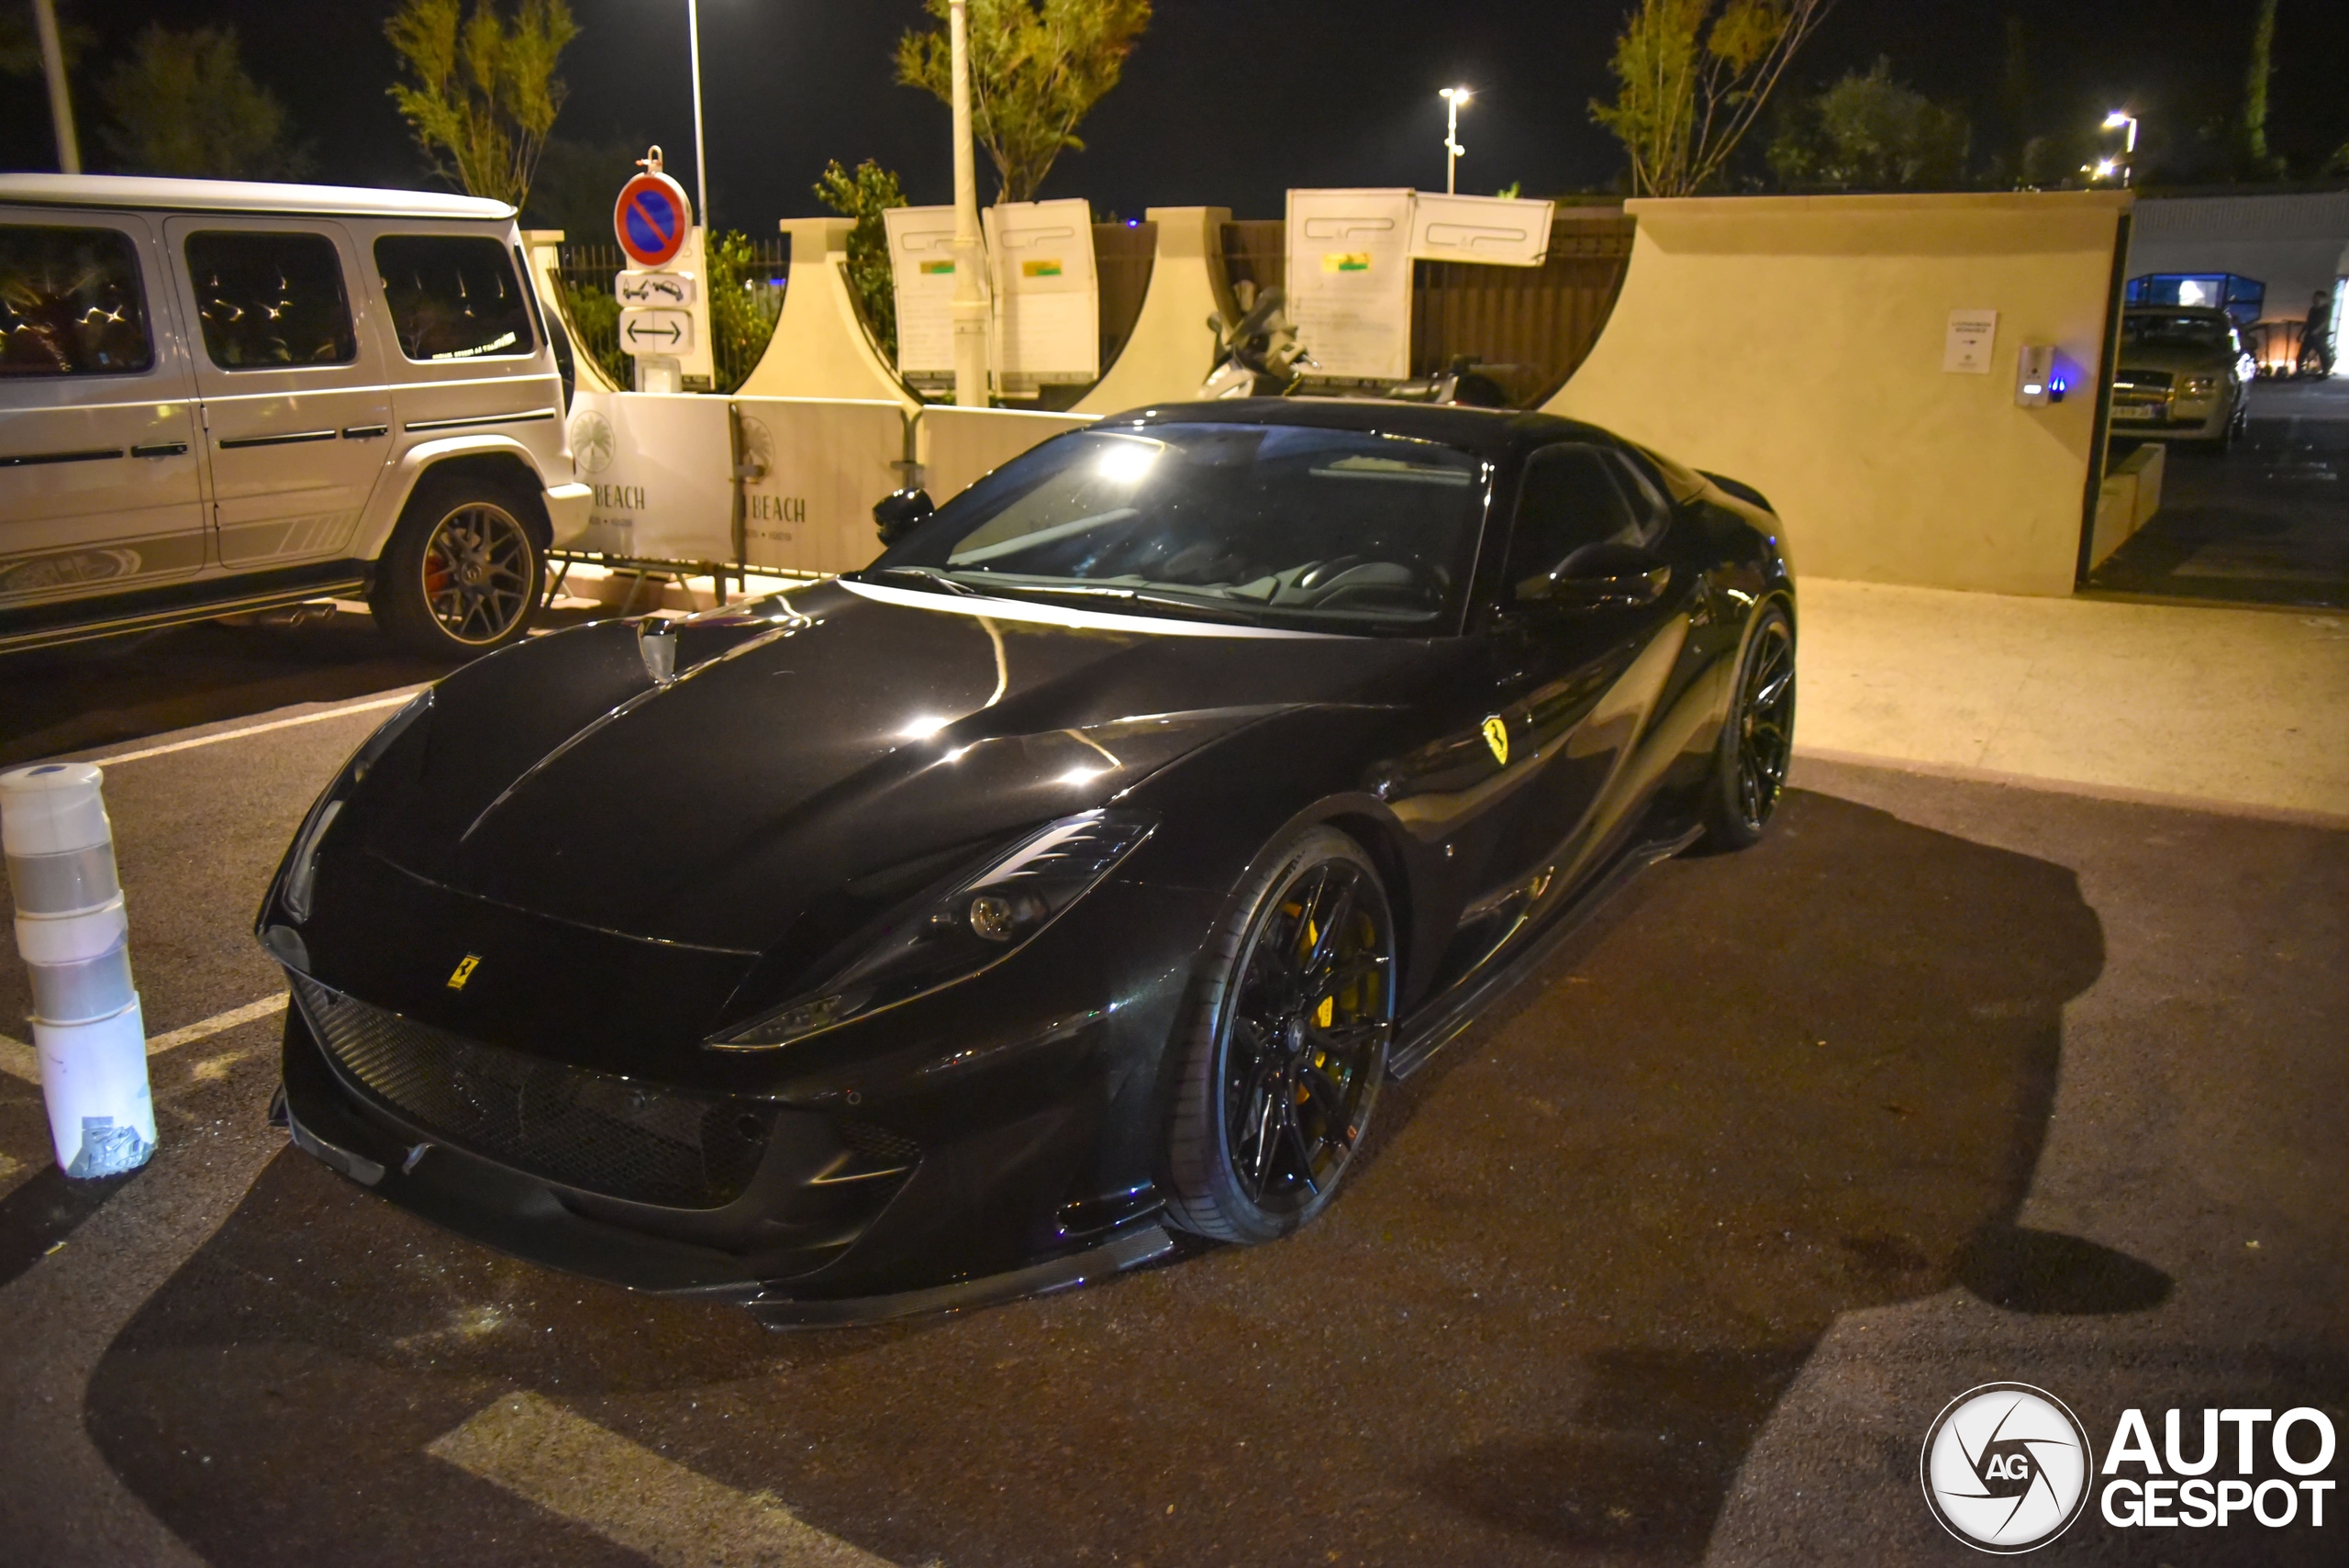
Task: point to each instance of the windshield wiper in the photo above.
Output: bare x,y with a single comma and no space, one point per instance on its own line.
928,576
1124,595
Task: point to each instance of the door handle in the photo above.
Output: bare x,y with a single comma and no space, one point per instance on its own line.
364,432
162,449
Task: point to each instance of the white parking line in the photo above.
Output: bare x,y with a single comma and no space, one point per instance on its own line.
632,1496
369,705
21,1061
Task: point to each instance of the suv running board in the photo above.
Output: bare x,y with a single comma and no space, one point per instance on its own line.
82,620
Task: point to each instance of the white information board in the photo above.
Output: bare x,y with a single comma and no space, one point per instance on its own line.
1047,294
655,325
922,264
1350,280
1966,349
663,470
1497,231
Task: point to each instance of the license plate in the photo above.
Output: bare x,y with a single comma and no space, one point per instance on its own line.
2127,411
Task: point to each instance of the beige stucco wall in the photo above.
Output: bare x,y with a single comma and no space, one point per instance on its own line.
1796,342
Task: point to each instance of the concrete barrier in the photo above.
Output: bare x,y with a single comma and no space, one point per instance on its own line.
1798,343
957,447
820,347
2130,496
1172,348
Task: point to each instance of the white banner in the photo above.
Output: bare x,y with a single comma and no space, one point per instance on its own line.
663,470
1350,280
1048,294
811,471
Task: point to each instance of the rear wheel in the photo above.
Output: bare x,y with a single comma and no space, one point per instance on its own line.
463,573
1284,1045
1757,743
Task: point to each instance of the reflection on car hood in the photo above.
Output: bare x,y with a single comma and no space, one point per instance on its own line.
808,742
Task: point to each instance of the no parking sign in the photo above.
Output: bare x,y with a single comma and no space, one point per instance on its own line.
651,218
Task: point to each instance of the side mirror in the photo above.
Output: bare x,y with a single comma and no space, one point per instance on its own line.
1606,577
900,512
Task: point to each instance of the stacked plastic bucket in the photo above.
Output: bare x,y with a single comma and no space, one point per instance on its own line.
75,941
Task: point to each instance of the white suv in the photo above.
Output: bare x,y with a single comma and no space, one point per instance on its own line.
217,396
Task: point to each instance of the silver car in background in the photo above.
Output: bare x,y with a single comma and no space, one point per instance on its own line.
2184,376
218,396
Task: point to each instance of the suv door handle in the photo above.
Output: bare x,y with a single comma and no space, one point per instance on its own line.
162,449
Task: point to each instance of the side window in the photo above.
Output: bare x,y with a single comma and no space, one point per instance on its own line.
1649,503
453,297
70,303
1571,495
271,300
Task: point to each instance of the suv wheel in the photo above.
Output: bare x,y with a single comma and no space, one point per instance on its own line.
463,574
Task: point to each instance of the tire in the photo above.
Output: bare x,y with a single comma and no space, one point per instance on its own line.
1757,740
463,574
1283,1046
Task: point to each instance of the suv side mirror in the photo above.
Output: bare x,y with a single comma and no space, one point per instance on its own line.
898,513
1605,576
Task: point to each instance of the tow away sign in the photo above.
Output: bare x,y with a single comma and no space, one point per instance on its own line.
672,291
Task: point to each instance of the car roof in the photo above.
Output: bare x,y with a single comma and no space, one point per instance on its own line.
242,195
1489,432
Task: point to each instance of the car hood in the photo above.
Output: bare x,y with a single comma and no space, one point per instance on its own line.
842,736
2178,358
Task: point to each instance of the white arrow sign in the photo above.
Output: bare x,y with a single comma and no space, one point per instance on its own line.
670,290
665,333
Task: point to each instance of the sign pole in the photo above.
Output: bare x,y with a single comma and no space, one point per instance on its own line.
60,100
969,298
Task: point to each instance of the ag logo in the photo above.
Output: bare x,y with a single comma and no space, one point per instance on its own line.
2007,1468
591,441
1497,736
465,967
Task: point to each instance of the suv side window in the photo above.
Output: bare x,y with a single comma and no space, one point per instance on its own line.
70,303
452,297
1570,495
271,300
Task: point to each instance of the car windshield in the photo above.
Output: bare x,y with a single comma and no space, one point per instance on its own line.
2161,328
1344,530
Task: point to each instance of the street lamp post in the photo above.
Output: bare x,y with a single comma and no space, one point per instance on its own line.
970,310
701,153
1453,152
60,102
2120,119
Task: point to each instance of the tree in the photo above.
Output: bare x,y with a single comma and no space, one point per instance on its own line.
482,93
1037,69
1690,82
864,196
182,104
2257,161
1868,132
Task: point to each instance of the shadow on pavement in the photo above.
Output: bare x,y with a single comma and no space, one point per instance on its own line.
1596,1243
2265,523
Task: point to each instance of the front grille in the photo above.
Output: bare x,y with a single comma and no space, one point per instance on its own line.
2141,380
591,1131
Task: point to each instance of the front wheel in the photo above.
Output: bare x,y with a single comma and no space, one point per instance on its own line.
463,573
1284,1045
1758,741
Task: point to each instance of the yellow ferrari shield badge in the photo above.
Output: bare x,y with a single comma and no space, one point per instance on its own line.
1497,736
464,971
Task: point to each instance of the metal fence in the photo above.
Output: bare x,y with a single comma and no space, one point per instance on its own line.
744,302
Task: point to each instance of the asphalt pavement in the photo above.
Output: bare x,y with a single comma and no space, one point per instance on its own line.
1674,1259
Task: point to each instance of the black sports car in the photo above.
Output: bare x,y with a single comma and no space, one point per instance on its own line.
1069,878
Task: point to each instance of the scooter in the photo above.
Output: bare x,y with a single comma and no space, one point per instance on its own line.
1257,356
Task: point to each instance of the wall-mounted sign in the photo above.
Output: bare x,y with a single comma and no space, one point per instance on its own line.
1047,296
1350,280
1966,349
1495,230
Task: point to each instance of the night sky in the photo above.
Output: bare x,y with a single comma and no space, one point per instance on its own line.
1231,101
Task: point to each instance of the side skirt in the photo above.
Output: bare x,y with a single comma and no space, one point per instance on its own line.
1444,1018
1146,1243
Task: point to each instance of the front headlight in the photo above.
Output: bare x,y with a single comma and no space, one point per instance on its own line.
983,920
2200,386
302,866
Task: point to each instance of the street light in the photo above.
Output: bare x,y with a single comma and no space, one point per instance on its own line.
1453,152
2121,119
970,306
60,100
701,153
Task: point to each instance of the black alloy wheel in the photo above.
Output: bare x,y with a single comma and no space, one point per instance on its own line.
463,574
1285,1045
1757,743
